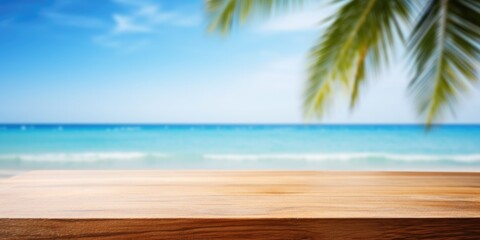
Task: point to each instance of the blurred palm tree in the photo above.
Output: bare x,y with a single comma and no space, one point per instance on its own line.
361,36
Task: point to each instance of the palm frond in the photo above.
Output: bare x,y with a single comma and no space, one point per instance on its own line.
359,38
227,14
445,47
359,76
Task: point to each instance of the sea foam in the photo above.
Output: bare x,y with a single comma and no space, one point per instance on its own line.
81,157
346,157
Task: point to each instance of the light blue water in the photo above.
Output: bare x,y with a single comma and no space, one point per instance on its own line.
447,148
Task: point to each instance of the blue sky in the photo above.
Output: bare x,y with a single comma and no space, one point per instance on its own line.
85,61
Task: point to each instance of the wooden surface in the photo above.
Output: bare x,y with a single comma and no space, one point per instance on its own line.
241,229
240,204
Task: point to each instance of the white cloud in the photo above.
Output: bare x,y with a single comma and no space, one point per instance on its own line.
125,24
153,14
58,14
299,21
144,16
138,19
65,19
308,18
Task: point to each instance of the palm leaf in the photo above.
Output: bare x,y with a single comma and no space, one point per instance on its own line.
445,48
226,14
359,76
357,40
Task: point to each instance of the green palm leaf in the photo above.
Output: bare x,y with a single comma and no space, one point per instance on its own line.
356,41
226,14
445,46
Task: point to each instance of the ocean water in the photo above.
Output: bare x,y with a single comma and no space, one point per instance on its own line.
305,147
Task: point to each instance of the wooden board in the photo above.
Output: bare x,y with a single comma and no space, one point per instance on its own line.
240,204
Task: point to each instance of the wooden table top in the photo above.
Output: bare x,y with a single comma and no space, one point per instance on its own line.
239,194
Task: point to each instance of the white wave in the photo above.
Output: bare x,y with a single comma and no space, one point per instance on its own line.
81,157
467,158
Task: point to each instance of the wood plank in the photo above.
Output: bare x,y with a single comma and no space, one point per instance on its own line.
239,204
209,229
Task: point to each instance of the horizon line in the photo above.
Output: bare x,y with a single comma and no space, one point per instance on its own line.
225,124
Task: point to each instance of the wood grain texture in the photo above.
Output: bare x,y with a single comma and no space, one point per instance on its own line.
215,229
240,205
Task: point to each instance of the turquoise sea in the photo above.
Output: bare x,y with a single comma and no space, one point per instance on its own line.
308,147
